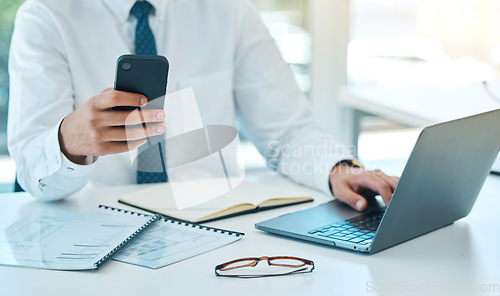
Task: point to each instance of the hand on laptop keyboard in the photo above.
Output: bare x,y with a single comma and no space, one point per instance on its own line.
353,185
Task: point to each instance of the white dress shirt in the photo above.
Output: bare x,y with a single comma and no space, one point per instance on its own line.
64,52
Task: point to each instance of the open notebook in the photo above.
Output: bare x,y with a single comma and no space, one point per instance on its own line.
247,197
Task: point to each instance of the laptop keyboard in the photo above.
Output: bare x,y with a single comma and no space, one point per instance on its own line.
360,229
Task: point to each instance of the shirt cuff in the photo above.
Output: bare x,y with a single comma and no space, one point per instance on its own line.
312,171
61,174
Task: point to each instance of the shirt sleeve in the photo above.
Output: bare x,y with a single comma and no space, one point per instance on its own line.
41,95
275,113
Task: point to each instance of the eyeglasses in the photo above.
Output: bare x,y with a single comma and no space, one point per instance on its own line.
276,266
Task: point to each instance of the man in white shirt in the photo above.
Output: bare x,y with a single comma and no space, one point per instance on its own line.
63,133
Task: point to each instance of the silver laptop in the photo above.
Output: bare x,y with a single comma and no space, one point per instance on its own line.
438,186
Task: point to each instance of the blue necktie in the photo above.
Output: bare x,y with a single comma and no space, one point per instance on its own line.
144,38
145,44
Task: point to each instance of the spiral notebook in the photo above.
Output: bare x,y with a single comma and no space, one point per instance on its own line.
58,239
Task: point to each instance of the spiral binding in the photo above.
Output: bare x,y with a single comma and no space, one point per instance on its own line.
203,227
132,236
180,222
125,211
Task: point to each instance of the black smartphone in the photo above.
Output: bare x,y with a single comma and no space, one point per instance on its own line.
146,75
143,74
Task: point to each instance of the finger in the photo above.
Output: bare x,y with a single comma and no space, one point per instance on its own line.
115,98
106,89
345,194
133,133
106,148
132,145
134,117
376,184
390,180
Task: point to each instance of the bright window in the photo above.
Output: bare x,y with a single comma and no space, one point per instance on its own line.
424,42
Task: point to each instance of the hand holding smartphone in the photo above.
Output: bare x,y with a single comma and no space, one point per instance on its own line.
105,124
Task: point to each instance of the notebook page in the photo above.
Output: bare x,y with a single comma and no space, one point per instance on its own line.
65,240
167,242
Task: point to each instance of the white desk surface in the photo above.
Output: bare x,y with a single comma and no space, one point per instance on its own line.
419,106
453,259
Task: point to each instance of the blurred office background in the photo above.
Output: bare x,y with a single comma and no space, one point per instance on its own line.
332,45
